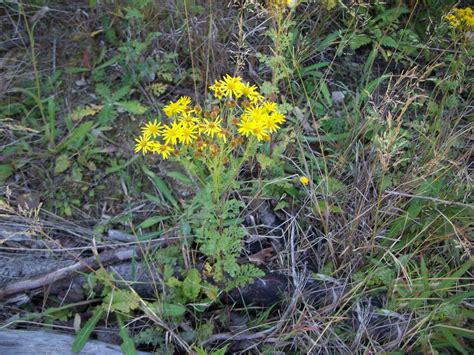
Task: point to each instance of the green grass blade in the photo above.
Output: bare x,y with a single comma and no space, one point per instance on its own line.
84,334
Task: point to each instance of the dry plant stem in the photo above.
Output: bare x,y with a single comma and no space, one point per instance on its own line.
88,264
35,67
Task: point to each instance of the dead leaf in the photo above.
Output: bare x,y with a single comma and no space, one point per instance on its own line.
261,257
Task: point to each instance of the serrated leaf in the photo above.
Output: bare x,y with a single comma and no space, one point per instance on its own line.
133,107
123,301
192,285
325,92
264,160
85,333
105,115
172,310
331,185
103,91
120,93
62,164
388,41
359,41
152,221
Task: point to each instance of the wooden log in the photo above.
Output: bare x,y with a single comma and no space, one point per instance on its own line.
16,342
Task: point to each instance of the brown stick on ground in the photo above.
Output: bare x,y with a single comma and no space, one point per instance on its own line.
90,264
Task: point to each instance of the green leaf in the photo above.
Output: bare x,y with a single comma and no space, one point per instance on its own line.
128,346
120,93
172,310
331,185
388,41
370,88
62,164
152,221
161,185
123,301
359,41
106,114
77,134
452,340
103,91
325,92
133,107
192,285
181,177
50,128
83,335
6,170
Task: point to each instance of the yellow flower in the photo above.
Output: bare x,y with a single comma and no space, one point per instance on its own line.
152,129
250,91
188,118
259,131
217,88
271,123
143,144
231,86
171,133
278,117
173,108
212,128
245,127
304,180
462,19
269,107
184,101
254,113
164,149
188,134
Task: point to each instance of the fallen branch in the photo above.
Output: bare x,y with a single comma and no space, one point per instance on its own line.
88,264
39,341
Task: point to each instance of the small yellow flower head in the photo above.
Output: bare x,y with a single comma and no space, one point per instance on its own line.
164,149
152,129
232,86
259,131
218,91
143,144
250,91
184,101
211,128
180,106
304,180
171,133
245,127
187,118
188,134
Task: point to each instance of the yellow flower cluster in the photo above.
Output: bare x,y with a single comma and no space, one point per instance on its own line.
462,19
242,112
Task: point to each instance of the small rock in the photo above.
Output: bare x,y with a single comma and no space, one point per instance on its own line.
338,97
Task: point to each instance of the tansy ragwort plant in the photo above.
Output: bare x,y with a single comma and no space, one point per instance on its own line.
221,137
212,142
